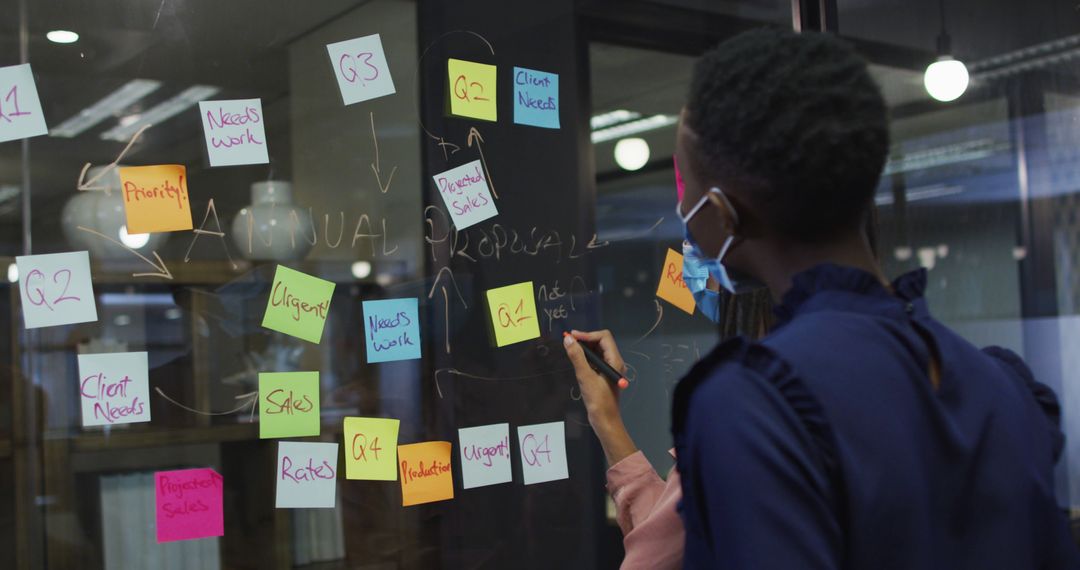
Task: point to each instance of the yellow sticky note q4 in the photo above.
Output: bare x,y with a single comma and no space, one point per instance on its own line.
513,313
425,472
156,198
672,288
371,448
472,89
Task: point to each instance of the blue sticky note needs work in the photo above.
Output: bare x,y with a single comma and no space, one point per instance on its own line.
391,329
536,98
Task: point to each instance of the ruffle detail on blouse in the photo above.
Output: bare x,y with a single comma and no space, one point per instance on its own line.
1044,396
832,277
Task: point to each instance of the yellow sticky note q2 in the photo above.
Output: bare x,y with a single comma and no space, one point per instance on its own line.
425,472
513,313
472,89
371,448
672,288
156,198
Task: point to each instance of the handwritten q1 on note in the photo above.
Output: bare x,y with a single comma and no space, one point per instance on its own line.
485,455
513,313
188,504
20,108
465,192
289,404
55,289
156,198
298,304
114,388
392,329
536,98
234,132
361,70
543,452
306,475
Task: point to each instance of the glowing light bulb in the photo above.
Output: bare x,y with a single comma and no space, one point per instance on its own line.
946,79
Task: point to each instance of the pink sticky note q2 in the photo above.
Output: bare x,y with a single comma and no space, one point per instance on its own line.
679,188
188,504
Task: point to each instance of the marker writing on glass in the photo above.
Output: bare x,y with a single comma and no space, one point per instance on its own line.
602,367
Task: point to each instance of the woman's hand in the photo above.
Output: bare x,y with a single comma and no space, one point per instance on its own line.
601,396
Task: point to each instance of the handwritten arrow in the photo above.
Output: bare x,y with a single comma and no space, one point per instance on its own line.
446,302
375,165
659,317
162,270
251,398
84,185
474,135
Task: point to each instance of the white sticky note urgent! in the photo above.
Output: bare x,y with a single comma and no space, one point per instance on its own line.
361,70
114,388
485,455
234,131
465,192
20,108
543,452
55,289
306,475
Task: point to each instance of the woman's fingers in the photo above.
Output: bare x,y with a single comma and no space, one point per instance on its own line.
605,341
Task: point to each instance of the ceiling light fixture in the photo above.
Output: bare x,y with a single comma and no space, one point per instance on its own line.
611,118
109,106
634,127
631,154
161,112
62,37
947,78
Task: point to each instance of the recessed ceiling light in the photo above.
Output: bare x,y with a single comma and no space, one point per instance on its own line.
62,37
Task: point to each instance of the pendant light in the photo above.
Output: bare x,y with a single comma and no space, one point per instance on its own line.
947,78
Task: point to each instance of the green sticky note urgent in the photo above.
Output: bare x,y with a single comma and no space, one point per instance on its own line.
288,404
298,304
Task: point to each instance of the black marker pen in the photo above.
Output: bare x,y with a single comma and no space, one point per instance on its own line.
602,367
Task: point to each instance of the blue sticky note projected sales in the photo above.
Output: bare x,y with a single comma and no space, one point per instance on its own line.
536,98
391,330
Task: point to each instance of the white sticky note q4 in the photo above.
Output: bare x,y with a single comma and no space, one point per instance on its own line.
465,192
234,131
543,452
114,388
20,108
361,70
55,289
485,455
306,475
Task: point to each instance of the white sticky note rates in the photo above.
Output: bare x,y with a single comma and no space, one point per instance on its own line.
55,289
234,131
361,69
306,475
543,452
20,108
485,455
114,388
465,192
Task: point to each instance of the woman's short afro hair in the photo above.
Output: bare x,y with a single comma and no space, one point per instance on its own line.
796,121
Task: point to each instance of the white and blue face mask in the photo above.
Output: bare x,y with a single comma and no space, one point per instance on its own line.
696,277
699,262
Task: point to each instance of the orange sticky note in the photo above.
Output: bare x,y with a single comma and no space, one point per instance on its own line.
672,288
425,472
156,198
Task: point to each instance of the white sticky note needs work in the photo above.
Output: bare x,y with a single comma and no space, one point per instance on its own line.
361,69
306,475
235,132
114,388
55,289
20,108
485,455
543,452
465,192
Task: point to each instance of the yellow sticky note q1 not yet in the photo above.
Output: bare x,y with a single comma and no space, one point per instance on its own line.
513,313
472,89
155,198
371,448
672,288
425,472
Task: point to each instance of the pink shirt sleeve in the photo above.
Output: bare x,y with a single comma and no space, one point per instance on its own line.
645,510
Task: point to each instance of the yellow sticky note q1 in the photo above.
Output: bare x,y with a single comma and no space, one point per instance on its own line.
371,448
425,472
513,313
672,288
156,198
472,89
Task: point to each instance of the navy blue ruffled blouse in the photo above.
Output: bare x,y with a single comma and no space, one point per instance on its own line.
825,445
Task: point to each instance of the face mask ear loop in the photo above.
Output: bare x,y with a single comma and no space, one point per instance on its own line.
724,249
727,203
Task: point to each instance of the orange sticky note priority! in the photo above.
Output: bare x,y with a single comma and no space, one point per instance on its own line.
425,472
672,288
156,198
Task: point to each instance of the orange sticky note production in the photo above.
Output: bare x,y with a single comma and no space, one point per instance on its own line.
425,472
156,198
672,288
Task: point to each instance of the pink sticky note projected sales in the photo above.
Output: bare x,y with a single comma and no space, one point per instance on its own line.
188,504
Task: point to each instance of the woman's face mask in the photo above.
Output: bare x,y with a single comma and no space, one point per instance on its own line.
713,266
